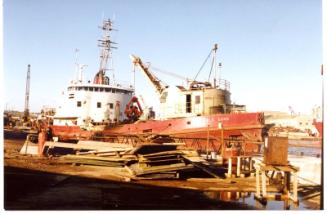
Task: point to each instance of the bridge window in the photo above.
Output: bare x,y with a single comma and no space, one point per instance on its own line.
79,103
98,104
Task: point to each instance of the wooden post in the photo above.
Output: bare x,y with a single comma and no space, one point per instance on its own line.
287,183
295,199
238,166
250,162
264,189
257,176
229,167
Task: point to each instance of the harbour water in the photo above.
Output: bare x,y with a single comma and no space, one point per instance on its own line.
246,199
304,148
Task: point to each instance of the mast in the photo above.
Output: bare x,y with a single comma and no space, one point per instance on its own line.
105,53
214,64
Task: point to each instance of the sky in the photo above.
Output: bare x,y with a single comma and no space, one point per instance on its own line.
270,50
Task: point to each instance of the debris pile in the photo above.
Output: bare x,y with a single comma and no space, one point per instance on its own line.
147,161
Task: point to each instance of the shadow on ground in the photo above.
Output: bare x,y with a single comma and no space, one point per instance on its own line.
35,190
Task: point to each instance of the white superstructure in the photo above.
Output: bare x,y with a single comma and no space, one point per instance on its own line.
197,99
99,102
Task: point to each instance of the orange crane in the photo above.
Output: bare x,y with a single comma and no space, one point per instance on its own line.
157,83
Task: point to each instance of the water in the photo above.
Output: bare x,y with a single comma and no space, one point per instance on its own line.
247,199
304,148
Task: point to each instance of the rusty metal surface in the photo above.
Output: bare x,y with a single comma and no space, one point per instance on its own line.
276,151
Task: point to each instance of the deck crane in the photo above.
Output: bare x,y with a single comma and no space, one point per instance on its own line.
158,85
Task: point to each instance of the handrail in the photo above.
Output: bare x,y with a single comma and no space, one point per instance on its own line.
224,84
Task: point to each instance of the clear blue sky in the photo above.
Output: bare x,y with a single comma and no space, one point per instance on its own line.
271,50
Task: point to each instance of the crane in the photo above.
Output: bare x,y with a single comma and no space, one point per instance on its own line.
27,94
157,83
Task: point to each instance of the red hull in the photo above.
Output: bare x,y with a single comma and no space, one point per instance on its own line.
319,127
193,130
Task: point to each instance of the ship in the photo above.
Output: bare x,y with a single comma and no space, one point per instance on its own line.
90,105
201,114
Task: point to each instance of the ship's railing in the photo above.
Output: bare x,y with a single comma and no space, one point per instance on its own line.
123,83
224,84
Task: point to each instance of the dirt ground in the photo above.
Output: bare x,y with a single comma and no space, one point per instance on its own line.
42,183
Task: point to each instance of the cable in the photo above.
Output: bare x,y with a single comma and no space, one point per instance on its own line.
203,65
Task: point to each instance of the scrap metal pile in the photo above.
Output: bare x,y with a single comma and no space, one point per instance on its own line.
145,161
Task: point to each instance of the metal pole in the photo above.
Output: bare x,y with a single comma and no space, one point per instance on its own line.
322,142
208,140
324,61
220,126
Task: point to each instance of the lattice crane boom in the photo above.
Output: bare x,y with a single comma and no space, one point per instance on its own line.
27,94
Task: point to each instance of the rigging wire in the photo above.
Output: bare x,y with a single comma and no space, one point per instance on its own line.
203,65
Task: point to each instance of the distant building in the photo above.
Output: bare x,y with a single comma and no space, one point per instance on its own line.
297,123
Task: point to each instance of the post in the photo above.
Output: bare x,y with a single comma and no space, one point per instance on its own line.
257,177
264,189
41,141
322,137
229,167
207,141
238,167
250,162
295,187
220,126
288,183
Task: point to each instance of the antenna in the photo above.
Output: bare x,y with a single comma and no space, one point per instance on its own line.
76,64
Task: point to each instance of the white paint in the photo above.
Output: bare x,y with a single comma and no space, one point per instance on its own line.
98,104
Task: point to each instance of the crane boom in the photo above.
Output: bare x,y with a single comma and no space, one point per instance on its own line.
159,86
